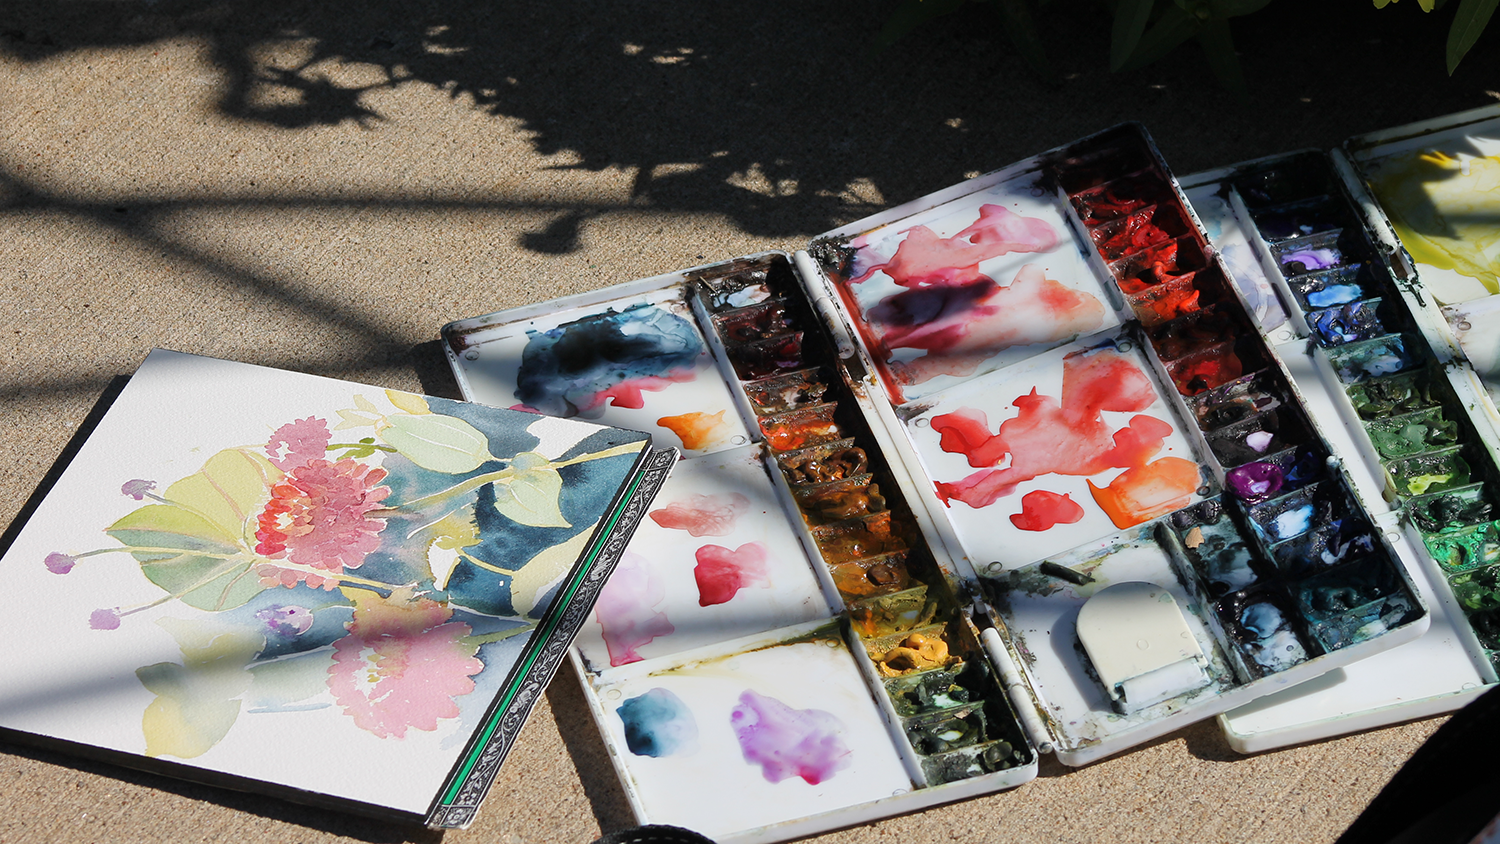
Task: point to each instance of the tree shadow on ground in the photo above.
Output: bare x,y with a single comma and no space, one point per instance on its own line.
778,114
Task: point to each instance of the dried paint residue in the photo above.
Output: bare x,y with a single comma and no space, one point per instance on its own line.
962,316
625,609
698,430
722,573
1068,437
1042,510
611,357
787,742
1142,493
658,724
703,515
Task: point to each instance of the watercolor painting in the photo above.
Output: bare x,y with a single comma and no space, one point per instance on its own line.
1442,198
716,558
971,286
783,721
1070,446
640,363
246,554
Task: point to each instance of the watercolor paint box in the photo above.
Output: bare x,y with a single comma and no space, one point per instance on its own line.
1004,471
1369,268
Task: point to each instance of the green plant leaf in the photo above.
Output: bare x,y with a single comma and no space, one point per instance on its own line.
437,442
1218,47
1381,4
1468,23
910,15
530,496
188,556
1131,17
1016,19
1235,8
228,491
1171,29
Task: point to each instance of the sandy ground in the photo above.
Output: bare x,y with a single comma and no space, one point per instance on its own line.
322,188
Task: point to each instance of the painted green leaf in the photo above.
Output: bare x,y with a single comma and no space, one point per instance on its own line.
546,568
228,491
530,496
1172,28
188,556
437,442
409,402
1468,23
195,704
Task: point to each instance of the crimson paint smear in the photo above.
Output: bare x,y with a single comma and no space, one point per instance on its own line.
722,573
1067,437
1042,510
963,316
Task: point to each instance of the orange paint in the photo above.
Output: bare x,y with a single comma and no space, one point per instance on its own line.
1145,492
697,430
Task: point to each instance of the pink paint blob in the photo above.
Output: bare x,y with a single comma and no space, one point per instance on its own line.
925,260
625,609
1043,510
1067,437
629,393
787,742
703,515
722,573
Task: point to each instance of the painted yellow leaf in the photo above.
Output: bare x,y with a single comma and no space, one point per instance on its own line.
196,703
228,491
409,402
533,579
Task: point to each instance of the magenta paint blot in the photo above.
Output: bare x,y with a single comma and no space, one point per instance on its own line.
722,573
626,609
787,742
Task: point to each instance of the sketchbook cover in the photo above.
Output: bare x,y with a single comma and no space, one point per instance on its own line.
327,591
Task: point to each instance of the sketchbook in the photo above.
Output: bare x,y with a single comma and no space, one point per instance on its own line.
334,593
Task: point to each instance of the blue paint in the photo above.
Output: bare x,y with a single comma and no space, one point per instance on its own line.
1293,522
658,724
1334,294
571,369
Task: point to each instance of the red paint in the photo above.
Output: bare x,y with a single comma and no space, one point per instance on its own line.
722,573
1067,437
1213,367
925,260
703,515
1041,510
1154,267
629,393
1119,197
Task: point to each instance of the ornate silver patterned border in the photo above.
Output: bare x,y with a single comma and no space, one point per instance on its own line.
506,724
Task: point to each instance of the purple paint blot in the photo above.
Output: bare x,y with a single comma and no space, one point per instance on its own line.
787,742
137,488
105,619
625,609
60,563
1255,482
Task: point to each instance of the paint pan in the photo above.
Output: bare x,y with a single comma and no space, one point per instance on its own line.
821,464
792,391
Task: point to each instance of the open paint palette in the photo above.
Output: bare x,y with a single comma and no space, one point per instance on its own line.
1390,321
1007,470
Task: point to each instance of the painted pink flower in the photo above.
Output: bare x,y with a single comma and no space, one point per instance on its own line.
296,443
105,619
60,563
317,517
137,488
402,665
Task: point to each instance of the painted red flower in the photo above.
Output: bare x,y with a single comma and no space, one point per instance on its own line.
317,517
402,665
